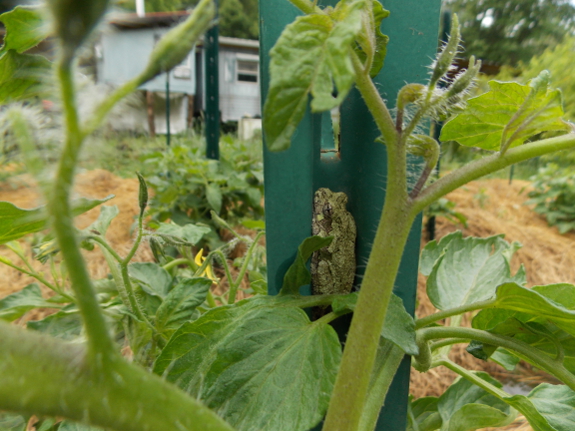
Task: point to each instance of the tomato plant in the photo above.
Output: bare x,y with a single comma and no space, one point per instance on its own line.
260,363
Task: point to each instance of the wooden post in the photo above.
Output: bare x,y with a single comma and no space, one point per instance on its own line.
150,110
190,110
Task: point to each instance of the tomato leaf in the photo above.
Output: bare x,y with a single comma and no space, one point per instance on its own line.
311,56
297,274
425,415
16,304
25,29
469,270
506,116
152,278
16,222
251,362
22,75
381,40
465,406
179,305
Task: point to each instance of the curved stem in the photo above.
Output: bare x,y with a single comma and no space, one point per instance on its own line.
535,356
136,244
178,262
352,383
448,342
427,320
100,344
487,165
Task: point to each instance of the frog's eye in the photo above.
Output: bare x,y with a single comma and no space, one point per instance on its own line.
327,209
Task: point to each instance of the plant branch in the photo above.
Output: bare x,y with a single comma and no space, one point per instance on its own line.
177,262
427,320
535,356
487,165
374,102
136,244
352,382
36,276
66,384
100,344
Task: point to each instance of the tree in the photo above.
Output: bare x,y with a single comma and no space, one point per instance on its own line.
510,31
237,18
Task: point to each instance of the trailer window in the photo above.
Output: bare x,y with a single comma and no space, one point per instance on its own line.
247,71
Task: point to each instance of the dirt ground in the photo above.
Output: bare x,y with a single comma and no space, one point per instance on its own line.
491,206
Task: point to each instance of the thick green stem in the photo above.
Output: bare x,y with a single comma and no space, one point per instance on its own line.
352,383
101,346
178,262
432,318
45,376
487,165
534,355
387,363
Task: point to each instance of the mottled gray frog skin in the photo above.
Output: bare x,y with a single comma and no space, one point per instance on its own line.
333,267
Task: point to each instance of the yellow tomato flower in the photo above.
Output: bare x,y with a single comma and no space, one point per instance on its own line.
199,259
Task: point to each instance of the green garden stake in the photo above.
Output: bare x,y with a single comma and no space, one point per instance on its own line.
211,41
292,176
168,109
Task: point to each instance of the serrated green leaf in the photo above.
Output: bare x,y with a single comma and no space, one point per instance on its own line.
65,324
297,274
556,403
469,270
465,406
425,414
506,116
18,303
12,422
214,197
251,362
25,29
311,56
102,223
179,305
399,327
433,250
22,75
381,40
189,233
151,277
16,222
511,296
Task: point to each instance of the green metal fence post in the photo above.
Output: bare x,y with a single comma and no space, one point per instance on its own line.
211,47
292,176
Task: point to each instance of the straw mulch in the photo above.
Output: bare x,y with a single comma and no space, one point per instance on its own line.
493,207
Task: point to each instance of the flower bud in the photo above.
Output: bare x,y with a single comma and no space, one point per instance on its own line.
447,55
178,42
409,94
464,80
74,20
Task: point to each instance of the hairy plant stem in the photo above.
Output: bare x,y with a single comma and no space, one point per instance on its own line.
178,262
352,383
489,164
387,362
39,278
100,345
65,383
534,355
432,318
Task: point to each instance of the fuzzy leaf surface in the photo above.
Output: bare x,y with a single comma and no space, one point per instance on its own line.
433,250
258,364
152,278
21,75
399,326
16,304
556,403
468,271
297,274
16,222
12,422
65,324
180,303
465,406
310,57
507,115
24,29
425,414
381,40
189,233
75,426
